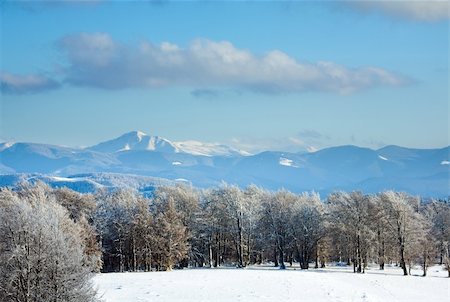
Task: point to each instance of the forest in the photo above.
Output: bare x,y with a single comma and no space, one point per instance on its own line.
54,239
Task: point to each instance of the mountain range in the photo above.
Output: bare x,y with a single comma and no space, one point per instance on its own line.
142,161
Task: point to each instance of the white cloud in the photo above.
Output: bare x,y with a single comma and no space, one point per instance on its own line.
21,84
421,10
99,61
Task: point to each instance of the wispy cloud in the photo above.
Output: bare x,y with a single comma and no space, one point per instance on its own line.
420,10
23,84
99,61
306,140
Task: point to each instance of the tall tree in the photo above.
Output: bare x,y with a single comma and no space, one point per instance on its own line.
172,241
276,213
404,223
349,212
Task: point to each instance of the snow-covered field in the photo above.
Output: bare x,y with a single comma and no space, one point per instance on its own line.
262,283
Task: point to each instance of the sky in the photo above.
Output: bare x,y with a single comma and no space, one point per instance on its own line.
257,75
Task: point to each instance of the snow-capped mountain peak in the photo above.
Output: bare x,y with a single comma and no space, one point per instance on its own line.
135,140
138,140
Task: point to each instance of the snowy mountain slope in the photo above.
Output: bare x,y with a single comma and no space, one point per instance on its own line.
139,141
423,172
41,158
208,149
135,140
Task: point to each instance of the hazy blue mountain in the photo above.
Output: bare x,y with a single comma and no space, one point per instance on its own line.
138,160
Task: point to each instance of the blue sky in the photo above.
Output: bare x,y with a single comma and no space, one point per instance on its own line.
255,75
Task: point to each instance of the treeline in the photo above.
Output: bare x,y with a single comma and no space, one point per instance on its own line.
181,226
50,237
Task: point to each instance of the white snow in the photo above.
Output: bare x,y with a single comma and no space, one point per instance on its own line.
182,179
126,148
445,162
6,145
208,149
263,283
176,163
287,162
58,178
140,135
382,157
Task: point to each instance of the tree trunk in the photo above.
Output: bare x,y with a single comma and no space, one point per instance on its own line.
240,248
358,254
275,255
316,257
402,261
210,254
381,255
402,250
134,254
281,260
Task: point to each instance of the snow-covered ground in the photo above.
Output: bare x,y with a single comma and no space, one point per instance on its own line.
263,283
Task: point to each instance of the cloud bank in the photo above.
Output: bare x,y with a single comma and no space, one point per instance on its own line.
420,10
21,84
99,61
208,67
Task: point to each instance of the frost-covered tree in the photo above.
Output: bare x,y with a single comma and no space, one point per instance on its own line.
113,218
78,205
438,213
187,203
252,203
144,234
41,250
385,242
404,224
276,214
307,227
172,240
231,206
350,215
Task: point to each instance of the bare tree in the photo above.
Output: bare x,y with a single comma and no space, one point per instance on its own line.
172,241
349,213
276,214
403,220
307,227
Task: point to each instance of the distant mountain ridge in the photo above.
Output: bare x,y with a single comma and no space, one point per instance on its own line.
424,172
139,141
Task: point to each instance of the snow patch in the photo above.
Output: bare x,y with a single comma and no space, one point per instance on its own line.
382,157
126,148
4,146
57,178
140,135
208,149
182,179
287,162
